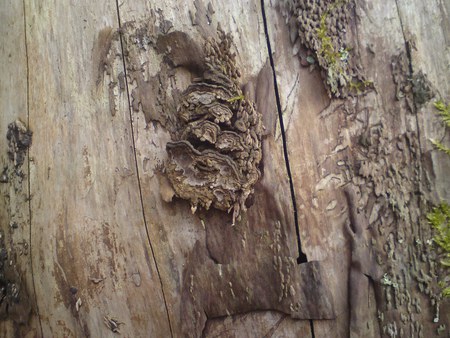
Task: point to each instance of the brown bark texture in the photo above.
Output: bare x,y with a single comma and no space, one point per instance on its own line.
222,168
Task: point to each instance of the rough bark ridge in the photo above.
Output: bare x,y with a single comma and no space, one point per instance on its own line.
341,169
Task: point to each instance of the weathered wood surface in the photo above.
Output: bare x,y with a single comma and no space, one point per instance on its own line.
98,85
87,227
217,269
325,151
15,265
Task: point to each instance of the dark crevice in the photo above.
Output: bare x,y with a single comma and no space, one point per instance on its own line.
301,257
30,244
137,168
311,325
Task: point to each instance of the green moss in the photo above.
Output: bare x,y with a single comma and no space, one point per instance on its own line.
446,292
439,219
326,44
236,98
444,111
335,61
359,86
438,145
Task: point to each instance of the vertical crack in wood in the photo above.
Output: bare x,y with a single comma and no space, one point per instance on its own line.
137,168
29,169
301,255
311,324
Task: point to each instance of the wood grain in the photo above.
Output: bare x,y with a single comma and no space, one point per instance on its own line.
89,222
14,190
87,225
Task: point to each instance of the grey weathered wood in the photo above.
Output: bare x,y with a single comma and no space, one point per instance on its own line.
87,227
14,211
100,218
429,34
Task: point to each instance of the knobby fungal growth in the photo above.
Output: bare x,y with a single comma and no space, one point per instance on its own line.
321,26
14,299
19,139
214,156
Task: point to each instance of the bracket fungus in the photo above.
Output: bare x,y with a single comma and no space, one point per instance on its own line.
214,155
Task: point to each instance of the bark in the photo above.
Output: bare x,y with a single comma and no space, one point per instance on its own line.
94,240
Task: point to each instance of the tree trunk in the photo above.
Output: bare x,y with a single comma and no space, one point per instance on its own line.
98,237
